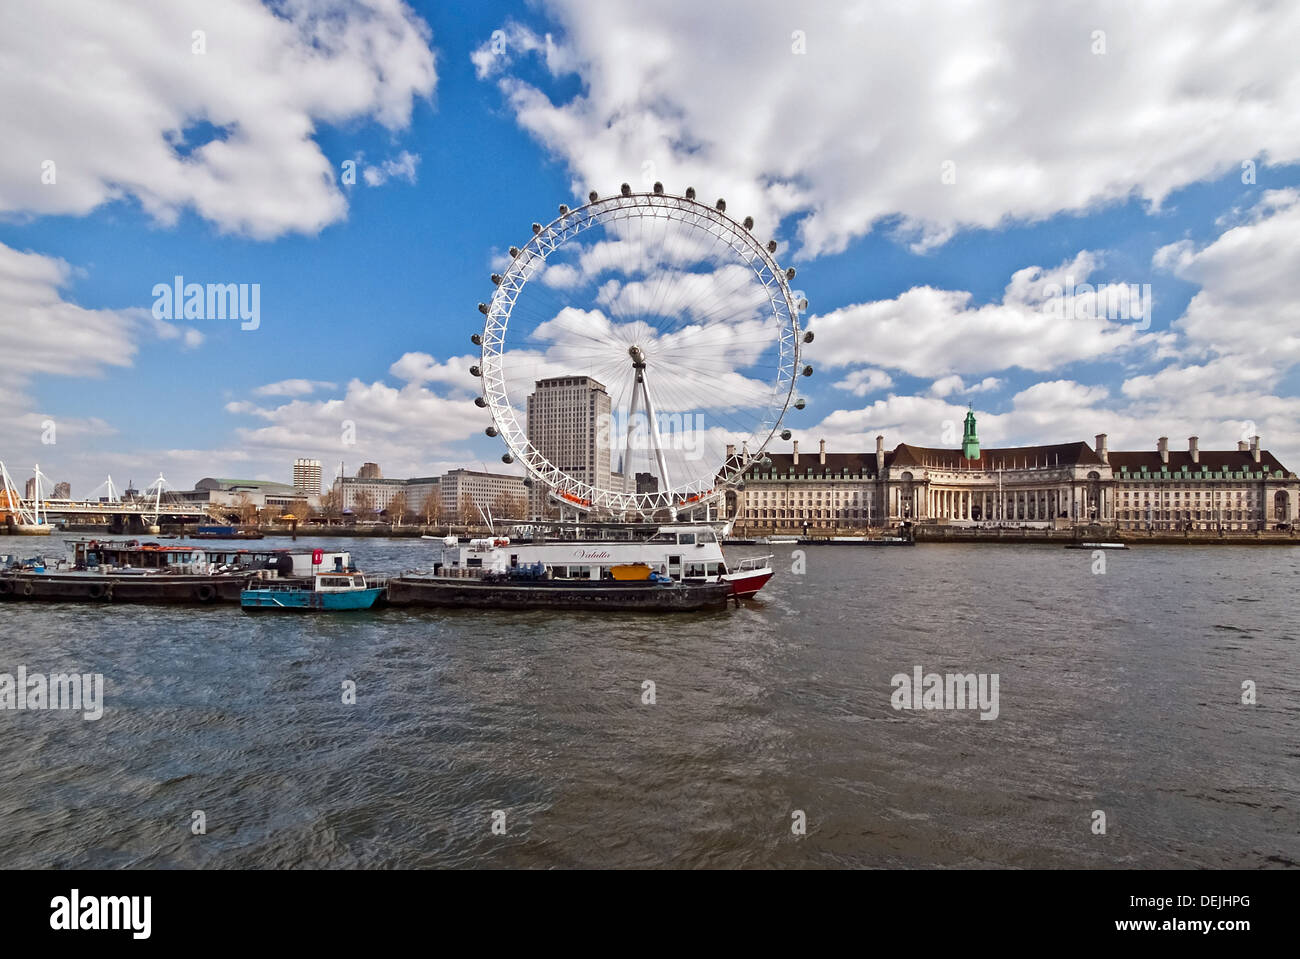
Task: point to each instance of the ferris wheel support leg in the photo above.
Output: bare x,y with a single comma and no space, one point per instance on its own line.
632,403
654,435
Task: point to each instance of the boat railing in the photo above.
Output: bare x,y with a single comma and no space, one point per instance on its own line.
753,562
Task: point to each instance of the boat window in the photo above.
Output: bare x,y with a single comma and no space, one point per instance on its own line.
358,581
706,536
686,539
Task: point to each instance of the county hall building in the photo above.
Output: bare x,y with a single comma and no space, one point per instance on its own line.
1039,486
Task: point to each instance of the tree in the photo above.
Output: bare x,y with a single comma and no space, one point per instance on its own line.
244,508
468,510
301,509
507,506
397,508
432,508
363,504
331,503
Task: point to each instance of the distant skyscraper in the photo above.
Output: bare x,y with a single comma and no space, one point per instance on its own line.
63,491
307,477
29,491
568,423
370,471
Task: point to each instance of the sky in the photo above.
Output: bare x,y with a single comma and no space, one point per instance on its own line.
952,181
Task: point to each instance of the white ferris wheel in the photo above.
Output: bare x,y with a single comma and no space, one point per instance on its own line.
671,336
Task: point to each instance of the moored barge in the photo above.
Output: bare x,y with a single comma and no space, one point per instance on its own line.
489,592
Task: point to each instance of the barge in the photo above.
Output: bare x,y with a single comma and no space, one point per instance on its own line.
485,592
83,586
109,571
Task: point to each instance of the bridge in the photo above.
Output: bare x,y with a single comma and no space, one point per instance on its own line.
20,513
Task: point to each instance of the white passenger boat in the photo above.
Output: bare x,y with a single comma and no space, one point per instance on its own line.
683,554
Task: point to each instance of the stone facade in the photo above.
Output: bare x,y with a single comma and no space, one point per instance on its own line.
1038,486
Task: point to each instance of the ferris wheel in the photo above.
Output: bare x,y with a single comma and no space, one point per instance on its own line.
639,353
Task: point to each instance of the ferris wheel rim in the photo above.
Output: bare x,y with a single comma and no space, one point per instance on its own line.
524,264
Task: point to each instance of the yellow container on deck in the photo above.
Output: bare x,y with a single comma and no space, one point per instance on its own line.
631,572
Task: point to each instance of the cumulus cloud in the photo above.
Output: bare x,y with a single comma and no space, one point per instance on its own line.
293,388
929,332
865,382
848,115
44,333
221,122
401,168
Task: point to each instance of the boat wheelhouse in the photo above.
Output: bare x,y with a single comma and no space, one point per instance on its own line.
325,591
117,555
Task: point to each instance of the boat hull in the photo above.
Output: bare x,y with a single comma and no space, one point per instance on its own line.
552,594
308,600
746,584
108,588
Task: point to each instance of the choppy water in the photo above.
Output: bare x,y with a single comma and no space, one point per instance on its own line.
1118,692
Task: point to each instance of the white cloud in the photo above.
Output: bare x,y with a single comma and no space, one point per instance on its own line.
930,332
113,95
858,128
953,385
865,382
1246,307
293,388
402,168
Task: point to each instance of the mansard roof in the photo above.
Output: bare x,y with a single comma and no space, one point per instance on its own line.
906,456
1216,460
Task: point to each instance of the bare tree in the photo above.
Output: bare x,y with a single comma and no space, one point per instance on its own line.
432,509
397,508
331,503
363,504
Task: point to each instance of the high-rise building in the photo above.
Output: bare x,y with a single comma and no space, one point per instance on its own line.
568,423
307,476
63,491
29,490
370,471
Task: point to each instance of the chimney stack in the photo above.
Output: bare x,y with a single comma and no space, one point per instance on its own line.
1243,446
1254,448
731,450
796,453
880,455
822,454
1102,452
1194,448
1162,445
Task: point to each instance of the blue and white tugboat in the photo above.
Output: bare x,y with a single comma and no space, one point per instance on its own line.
325,591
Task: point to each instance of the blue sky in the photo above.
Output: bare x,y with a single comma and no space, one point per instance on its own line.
1142,175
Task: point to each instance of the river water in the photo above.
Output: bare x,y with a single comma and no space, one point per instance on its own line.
1119,695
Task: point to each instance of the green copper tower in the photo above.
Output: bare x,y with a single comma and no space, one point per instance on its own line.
970,443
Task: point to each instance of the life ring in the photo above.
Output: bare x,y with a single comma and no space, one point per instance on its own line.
97,590
207,593
28,588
